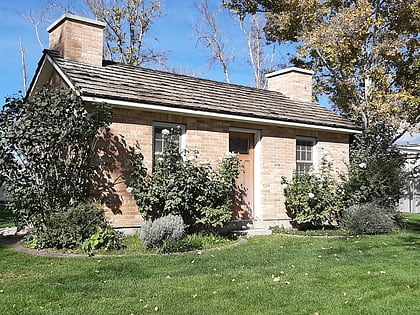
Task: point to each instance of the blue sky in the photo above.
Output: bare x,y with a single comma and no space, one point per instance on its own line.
174,32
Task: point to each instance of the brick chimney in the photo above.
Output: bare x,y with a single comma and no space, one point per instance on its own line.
293,82
78,38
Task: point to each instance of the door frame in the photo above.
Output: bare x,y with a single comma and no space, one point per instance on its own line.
257,168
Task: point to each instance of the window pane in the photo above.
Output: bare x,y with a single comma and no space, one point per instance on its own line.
304,155
159,138
239,145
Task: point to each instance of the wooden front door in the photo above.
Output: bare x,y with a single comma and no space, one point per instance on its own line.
242,144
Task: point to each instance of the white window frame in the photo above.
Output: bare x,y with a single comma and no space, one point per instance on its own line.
310,164
167,125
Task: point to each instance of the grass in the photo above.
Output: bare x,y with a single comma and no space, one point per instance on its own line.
268,275
6,217
331,231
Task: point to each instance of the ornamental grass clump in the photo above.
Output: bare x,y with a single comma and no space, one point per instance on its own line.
154,233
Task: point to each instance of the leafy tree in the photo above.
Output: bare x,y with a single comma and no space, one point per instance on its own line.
127,24
377,169
365,52
46,149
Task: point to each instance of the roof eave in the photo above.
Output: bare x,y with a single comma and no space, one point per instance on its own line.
40,72
210,114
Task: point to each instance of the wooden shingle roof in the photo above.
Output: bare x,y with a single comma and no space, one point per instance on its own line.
115,81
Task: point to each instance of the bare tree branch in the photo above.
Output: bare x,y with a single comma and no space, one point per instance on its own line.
24,73
211,37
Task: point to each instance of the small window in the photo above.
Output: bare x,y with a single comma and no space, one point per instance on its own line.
304,154
239,145
159,136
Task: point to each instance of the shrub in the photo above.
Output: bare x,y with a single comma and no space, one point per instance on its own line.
368,218
46,148
154,233
67,229
104,238
312,199
179,185
376,170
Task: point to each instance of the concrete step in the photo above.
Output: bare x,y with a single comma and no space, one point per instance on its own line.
252,232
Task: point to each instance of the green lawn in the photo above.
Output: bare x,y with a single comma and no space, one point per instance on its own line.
6,217
268,275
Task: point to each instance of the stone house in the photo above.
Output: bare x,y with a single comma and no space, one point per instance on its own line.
274,131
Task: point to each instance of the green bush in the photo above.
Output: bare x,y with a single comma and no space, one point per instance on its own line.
376,171
312,199
179,185
46,147
154,233
67,229
104,238
368,218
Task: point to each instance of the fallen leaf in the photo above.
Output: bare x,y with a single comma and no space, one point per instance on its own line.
193,261
194,296
276,279
233,280
344,293
168,277
346,302
382,272
407,286
360,251
293,266
287,282
320,256
156,308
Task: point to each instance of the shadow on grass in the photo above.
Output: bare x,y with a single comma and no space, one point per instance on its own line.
412,228
6,217
413,224
6,242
